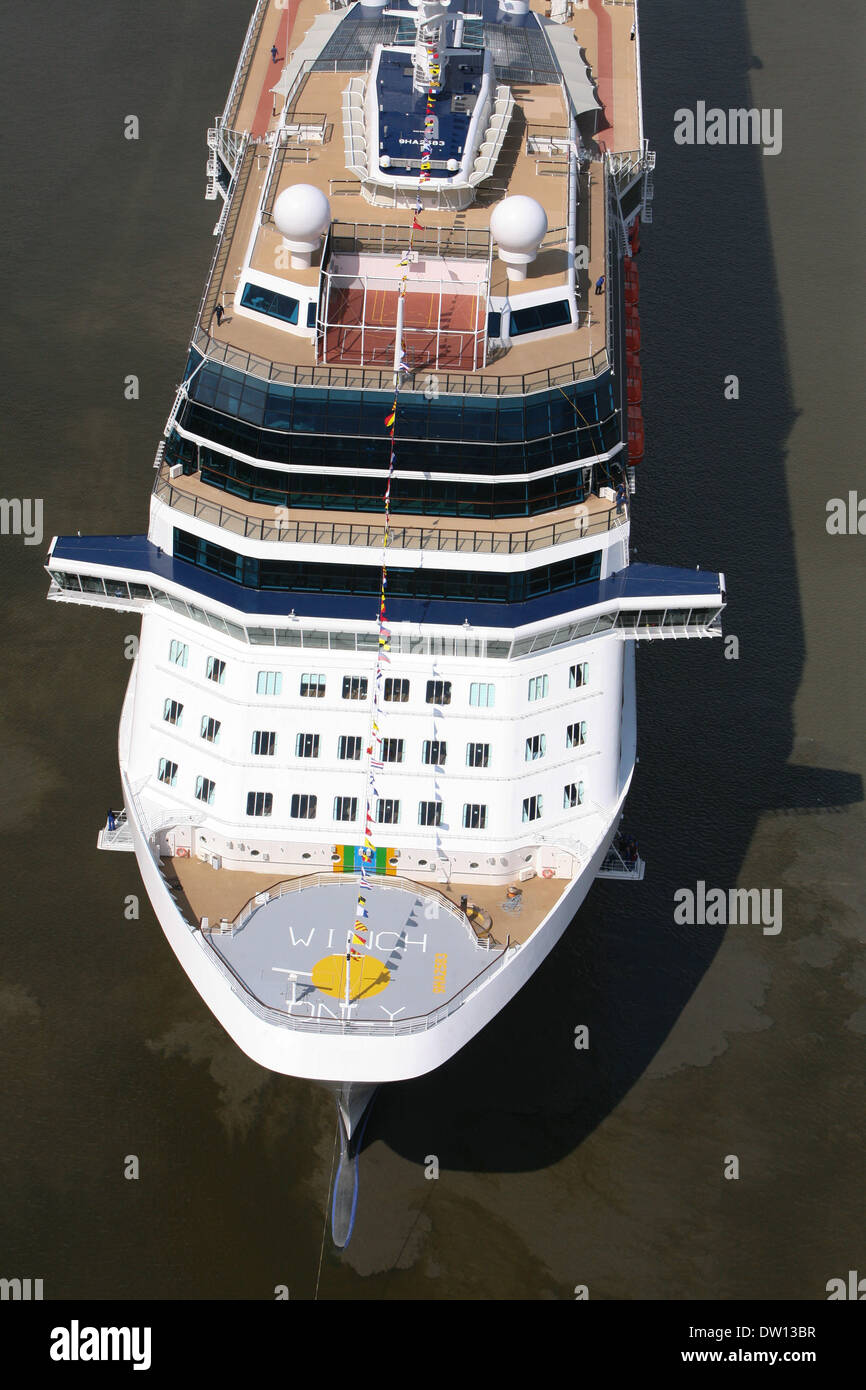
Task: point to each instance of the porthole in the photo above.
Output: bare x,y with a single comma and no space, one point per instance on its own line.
254,852
474,864
306,856
422,863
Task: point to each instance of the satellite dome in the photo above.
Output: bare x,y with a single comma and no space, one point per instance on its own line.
302,213
518,226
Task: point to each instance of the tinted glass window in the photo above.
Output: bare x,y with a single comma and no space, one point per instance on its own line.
276,306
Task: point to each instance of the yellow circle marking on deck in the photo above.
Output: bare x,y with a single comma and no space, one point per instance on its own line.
368,976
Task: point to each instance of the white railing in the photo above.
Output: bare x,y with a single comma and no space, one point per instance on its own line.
420,1023
253,29
388,882
366,535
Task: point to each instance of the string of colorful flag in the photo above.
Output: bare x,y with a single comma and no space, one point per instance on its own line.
358,935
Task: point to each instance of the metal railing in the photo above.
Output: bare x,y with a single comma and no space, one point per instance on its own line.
289,143
419,1023
335,880
381,379
302,126
547,140
369,535
254,29
231,211
390,238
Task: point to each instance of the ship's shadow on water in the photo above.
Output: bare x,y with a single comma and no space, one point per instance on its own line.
715,735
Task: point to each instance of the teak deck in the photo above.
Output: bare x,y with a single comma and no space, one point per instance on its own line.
218,893
602,32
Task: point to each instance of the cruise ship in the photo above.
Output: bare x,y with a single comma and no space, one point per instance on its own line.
381,724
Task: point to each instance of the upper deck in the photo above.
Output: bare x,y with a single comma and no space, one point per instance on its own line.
293,122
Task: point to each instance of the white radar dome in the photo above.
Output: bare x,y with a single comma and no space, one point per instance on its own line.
302,212
518,225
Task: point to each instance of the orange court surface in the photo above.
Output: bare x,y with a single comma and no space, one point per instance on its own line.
438,331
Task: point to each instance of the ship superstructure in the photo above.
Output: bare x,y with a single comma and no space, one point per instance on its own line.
381,725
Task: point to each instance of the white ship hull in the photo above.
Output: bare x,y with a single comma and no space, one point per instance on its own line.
346,1055
349,1057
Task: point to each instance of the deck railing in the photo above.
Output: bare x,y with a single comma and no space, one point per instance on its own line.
382,379
369,535
385,1027
357,1027
254,29
332,880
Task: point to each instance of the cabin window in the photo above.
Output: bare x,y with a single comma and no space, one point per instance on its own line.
572,795
477,754
172,712
204,790
269,683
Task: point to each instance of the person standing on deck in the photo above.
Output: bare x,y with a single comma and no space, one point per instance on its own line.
274,54
599,284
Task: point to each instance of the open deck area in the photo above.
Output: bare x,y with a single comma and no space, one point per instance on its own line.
532,161
225,893
290,952
459,535
439,330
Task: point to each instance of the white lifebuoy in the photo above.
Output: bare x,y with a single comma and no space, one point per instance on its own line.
181,852
547,873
